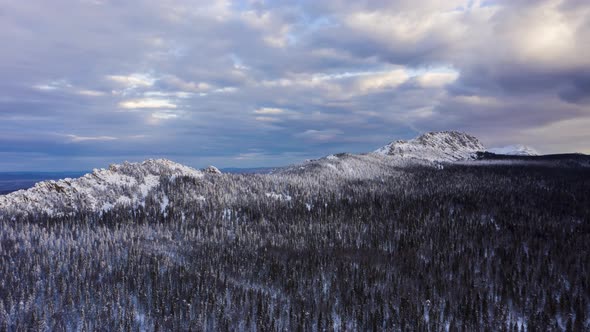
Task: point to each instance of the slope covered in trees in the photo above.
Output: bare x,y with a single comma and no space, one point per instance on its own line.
351,246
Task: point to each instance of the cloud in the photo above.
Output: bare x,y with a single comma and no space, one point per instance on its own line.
147,103
249,155
381,81
325,135
53,85
133,80
436,79
162,117
269,110
176,94
546,34
195,77
267,119
45,87
275,32
186,86
76,138
91,93
404,27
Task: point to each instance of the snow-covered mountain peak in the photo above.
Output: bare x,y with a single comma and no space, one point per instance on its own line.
435,146
211,170
124,184
515,150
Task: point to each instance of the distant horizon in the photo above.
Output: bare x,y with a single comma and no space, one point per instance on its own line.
200,163
228,169
25,172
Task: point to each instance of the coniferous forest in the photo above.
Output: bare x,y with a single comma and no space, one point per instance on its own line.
456,248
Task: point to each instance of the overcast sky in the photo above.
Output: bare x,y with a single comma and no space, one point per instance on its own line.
265,83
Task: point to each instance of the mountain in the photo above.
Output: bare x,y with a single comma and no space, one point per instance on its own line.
350,166
101,190
154,183
134,184
443,146
515,150
160,246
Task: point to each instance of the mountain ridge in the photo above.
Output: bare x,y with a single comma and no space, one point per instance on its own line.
130,184
441,146
100,190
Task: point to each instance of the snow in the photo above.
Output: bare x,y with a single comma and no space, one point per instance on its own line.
384,149
515,150
353,166
107,206
126,184
129,184
164,203
435,146
212,170
280,197
124,200
149,182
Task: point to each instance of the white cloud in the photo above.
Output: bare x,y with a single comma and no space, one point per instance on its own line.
164,115
275,32
269,110
381,81
44,87
400,29
133,80
436,79
53,85
477,100
267,119
228,89
90,93
147,103
343,85
176,94
545,34
76,138
65,86
183,85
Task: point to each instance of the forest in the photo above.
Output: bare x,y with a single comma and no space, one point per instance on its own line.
485,247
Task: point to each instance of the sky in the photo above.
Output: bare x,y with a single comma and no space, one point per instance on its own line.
266,83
